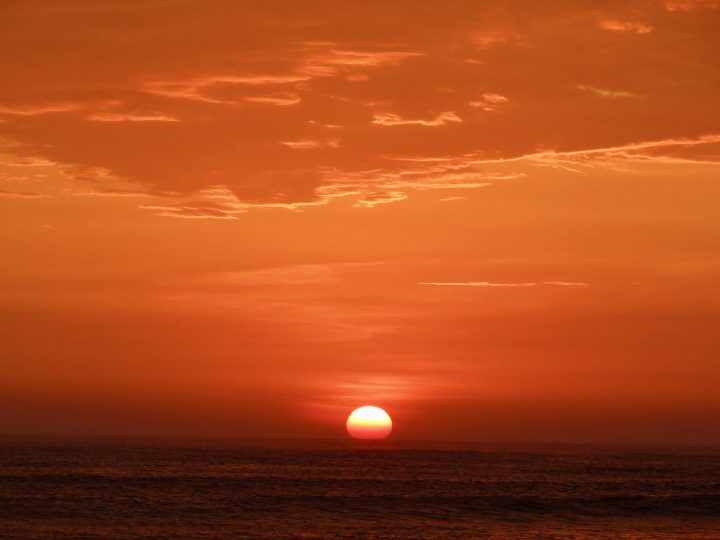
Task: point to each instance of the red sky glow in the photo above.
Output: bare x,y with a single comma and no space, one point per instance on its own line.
495,221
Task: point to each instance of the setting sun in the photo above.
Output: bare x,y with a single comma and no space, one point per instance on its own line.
369,423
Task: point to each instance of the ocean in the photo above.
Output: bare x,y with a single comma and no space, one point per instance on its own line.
112,488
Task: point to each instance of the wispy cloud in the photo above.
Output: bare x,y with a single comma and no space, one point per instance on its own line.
389,185
196,89
29,162
381,186
615,25
217,202
302,274
645,151
492,284
489,37
674,150
390,119
22,194
112,193
310,144
149,116
607,93
324,63
334,61
489,102
691,5
380,197
195,210
475,284
33,110
281,99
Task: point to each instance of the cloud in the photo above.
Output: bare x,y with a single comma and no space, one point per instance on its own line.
309,144
149,116
333,62
322,64
455,198
615,25
704,149
491,284
691,5
489,102
663,151
29,162
196,89
607,93
475,284
489,37
390,119
112,193
282,99
384,186
217,202
195,210
32,110
255,102
374,185
302,274
380,197
11,178
21,195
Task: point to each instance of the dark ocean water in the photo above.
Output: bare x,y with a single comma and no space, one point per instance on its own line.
194,489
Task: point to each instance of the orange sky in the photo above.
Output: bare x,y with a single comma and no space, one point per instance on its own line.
498,221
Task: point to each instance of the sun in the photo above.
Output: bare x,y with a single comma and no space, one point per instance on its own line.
369,423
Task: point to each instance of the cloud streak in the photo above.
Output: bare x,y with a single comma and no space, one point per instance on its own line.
491,284
370,200
34,110
149,116
691,5
391,119
335,61
489,102
197,89
22,194
607,93
615,25
309,144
